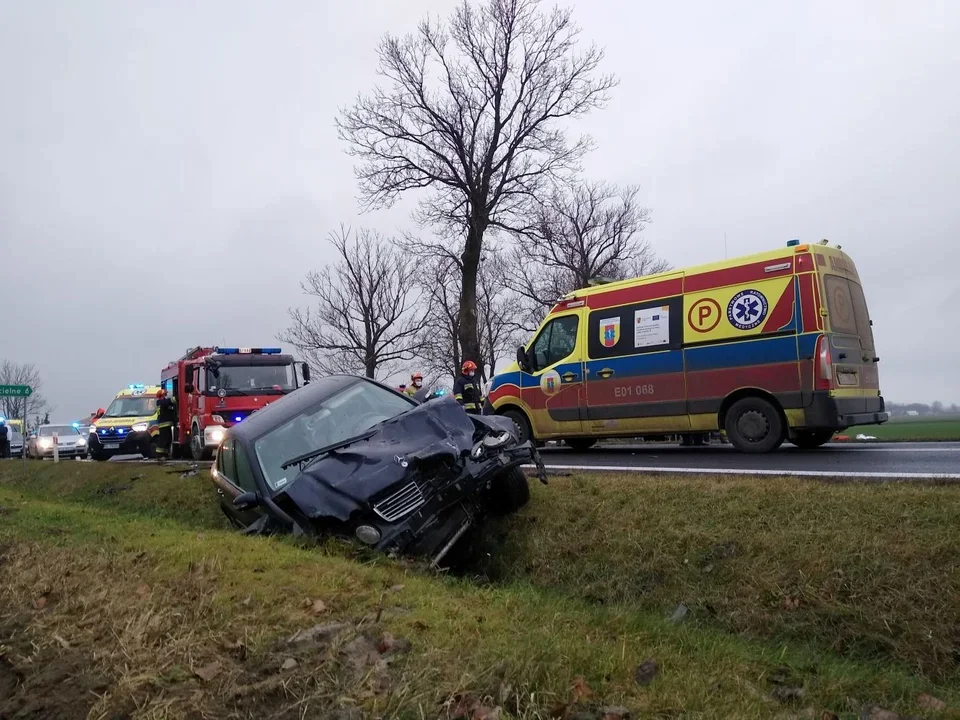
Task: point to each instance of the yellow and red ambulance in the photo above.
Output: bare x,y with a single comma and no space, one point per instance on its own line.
769,347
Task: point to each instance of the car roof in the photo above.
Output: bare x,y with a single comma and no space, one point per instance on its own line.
289,406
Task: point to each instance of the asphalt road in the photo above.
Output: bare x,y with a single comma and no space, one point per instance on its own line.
879,460
908,461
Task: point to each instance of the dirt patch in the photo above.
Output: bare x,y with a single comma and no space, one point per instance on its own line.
50,687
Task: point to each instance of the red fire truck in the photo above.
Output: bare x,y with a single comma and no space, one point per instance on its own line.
216,387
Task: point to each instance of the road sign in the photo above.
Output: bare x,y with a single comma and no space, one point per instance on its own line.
15,391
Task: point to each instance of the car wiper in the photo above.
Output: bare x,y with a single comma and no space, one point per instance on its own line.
314,454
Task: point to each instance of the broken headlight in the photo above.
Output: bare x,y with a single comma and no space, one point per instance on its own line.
491,442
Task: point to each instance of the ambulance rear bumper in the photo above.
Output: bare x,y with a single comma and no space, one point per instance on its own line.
840,413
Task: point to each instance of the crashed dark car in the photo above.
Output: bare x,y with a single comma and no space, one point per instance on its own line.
348,456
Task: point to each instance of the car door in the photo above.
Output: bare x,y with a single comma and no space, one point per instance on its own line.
552,385
232,478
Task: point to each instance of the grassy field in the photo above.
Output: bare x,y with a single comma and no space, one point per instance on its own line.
913,429
123,593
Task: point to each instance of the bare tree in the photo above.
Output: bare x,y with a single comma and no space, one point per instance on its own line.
474,110
581,232
16,408
366,318
496,309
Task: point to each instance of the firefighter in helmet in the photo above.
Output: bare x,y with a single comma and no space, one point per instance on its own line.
416,382
466,388
166,419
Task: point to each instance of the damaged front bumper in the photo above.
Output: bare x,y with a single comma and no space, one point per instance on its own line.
428,515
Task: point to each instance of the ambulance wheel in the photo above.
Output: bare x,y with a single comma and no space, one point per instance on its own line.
580,444
99,456
523,427
754,425
810,439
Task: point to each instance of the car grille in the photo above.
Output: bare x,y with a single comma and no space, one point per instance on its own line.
113,432
403,502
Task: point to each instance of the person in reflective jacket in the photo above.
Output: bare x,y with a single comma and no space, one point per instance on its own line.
466,388
416,382
166,417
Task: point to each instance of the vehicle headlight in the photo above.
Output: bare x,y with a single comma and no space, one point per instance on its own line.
216,435
45,442
139,427
491,442
83,441
368,534
217,418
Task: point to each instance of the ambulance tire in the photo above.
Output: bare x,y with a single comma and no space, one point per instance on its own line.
509,492
754,425
580,444
100,456
811,439
523,427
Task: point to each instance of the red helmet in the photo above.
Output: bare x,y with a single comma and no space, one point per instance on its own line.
161,393
469,365
416,376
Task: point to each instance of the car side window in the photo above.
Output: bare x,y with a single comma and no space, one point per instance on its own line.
556,341
233,466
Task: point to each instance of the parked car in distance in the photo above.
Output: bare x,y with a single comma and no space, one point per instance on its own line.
16,444
348,456
69,441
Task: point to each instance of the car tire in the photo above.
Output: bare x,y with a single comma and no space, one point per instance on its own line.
509,492
523,426
198,450
754,426
811,439
580,444
99,456
83,457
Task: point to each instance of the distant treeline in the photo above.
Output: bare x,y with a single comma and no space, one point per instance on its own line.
937,408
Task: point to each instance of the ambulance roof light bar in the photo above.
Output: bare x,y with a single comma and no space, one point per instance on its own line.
247,351
793,243
137,386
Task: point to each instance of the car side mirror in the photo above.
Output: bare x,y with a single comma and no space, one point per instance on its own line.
188,387
247,500
305,371
522,358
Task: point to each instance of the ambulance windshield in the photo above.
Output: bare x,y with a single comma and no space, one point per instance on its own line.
132,406
244,379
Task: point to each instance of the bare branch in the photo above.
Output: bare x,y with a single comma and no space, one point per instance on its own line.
365,318
580,233
473,109
14,408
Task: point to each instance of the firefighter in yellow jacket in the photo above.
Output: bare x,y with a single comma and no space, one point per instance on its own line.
467,390
416,382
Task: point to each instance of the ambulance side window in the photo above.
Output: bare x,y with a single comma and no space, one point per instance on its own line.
556,341
617,332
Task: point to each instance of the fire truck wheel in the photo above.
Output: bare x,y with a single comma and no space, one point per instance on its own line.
197,448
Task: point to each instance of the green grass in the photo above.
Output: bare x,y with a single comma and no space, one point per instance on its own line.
913,429
143,587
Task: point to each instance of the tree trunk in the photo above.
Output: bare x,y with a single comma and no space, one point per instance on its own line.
469,340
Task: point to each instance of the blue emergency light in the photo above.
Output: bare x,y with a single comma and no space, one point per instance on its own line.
76,425
2,418
138,386
247,351
793,243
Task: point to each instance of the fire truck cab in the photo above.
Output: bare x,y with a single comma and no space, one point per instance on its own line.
215,388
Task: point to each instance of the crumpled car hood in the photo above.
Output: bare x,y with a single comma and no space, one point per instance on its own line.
436,431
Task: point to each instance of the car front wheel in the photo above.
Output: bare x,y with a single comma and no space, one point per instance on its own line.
509,492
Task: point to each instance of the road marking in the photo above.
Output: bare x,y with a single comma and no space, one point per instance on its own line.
617,449
730,471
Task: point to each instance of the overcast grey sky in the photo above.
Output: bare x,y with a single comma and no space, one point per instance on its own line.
169,170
